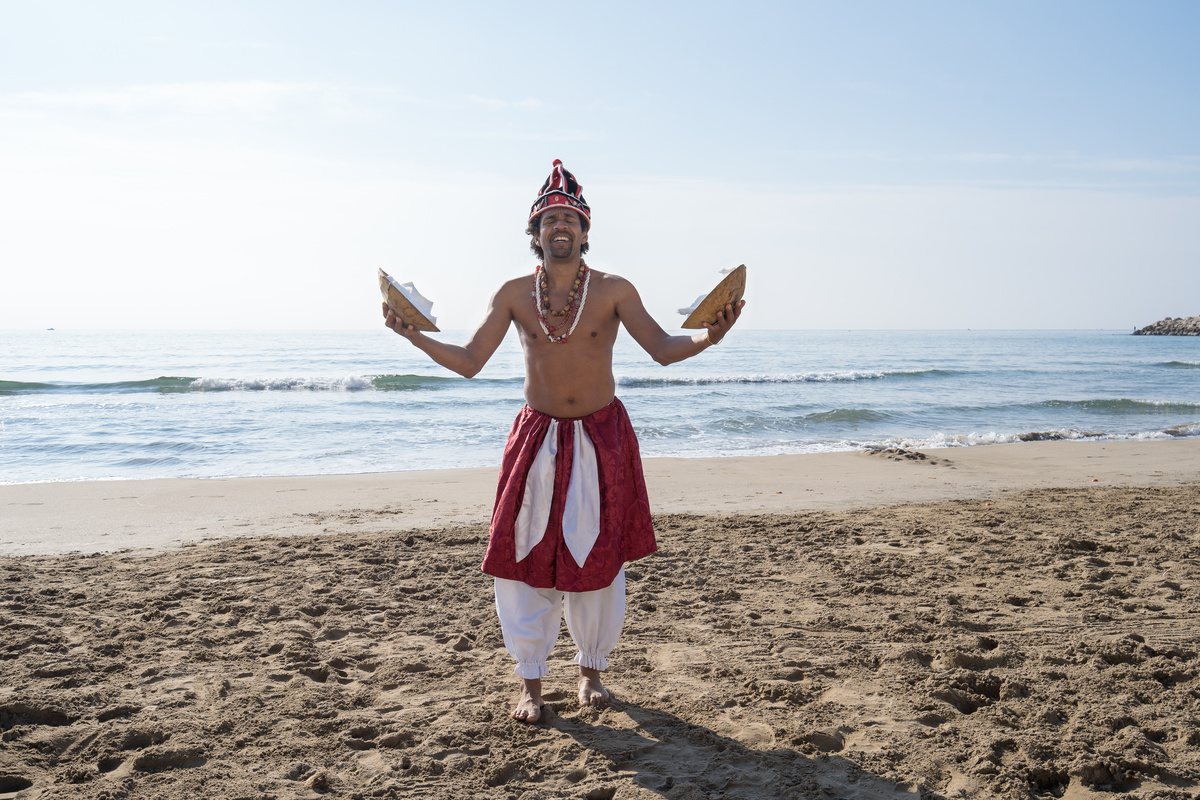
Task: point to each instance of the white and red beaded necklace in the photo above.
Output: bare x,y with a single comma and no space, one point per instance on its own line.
571,312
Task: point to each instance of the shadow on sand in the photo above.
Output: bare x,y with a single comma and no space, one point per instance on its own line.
660,753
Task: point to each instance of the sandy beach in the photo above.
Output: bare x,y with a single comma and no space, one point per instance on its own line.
1011,621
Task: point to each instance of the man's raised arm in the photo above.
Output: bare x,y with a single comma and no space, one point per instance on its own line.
663,347
466,359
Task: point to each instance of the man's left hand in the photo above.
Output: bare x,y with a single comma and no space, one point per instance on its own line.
725,321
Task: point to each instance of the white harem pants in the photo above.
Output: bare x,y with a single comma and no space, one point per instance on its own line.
530,617
530,620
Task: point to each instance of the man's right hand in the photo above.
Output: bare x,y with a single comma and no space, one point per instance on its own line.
465,360
395,323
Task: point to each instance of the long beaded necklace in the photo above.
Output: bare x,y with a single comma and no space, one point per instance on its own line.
570,313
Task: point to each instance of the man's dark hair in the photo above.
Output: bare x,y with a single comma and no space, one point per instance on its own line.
534,227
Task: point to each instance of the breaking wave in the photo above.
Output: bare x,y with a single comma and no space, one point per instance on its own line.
171,384
839,376
1120,406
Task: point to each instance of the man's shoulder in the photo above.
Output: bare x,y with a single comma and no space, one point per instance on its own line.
610,281
603,276
521,282
516,287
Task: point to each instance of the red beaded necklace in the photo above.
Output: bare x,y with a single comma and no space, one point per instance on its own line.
570,312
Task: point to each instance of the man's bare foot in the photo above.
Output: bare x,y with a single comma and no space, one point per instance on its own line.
529,703
591,690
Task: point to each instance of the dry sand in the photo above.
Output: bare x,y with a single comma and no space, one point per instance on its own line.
1010,621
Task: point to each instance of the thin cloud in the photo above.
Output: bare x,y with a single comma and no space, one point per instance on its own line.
1169,166
987,157
524,135
1158,166
528,104
199,98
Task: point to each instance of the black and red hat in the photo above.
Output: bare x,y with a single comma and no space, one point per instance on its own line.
561,189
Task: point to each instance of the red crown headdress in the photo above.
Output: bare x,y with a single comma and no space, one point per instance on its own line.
561,189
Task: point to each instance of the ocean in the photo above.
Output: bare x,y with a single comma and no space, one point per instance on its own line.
98,405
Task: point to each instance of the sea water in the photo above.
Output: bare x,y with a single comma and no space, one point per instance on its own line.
80,405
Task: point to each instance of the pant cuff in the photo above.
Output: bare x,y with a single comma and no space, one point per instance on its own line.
531,670
591,662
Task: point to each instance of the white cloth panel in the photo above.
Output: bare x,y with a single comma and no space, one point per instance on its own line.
581,507
539,492
581,511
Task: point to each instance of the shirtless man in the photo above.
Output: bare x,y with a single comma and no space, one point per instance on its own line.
571,507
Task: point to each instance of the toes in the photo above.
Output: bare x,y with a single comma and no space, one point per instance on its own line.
527,714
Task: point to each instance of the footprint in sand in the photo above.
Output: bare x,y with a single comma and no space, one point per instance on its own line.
362,737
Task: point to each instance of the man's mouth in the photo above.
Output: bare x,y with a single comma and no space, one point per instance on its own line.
561,239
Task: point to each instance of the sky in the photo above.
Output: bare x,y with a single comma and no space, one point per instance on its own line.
876,165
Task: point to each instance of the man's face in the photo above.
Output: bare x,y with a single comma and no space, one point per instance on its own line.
561,233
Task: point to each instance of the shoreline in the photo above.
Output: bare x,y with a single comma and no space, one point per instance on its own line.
162,514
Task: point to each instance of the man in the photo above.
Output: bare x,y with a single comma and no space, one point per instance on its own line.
571,507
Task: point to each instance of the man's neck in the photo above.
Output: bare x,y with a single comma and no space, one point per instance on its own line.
562,268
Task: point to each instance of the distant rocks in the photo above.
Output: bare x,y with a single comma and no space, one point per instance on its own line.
1172,326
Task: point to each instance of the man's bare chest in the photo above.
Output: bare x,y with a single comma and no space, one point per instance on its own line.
595,324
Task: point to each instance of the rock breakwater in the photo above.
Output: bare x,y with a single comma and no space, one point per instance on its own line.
1172,326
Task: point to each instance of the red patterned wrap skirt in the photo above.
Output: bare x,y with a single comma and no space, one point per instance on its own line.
571,507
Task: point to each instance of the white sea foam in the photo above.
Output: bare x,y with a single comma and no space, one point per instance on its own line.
836,376
1192,429
349,383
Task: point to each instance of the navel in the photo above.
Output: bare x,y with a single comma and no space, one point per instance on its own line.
594,334
570,401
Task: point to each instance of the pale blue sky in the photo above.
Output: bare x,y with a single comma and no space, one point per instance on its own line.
876,165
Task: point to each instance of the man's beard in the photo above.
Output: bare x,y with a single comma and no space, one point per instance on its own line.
561,249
